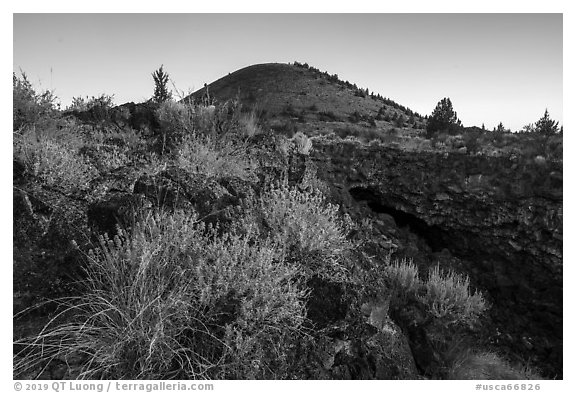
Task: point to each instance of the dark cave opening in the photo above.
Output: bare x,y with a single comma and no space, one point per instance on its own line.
522,308
432,234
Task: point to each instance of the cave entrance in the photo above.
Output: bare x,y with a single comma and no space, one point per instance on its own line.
432,234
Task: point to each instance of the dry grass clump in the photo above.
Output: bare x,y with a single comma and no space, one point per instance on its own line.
472,365
170,299
215,158
403,275
445,294
249,124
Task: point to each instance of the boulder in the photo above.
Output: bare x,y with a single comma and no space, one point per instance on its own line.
213,199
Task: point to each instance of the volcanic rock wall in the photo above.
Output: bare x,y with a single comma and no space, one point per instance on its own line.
501,217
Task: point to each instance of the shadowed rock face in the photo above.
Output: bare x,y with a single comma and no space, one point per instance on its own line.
500,219
139,117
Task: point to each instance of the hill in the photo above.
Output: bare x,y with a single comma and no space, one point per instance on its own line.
299,97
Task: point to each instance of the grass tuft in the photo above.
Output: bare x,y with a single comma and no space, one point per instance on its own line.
474,365
173,300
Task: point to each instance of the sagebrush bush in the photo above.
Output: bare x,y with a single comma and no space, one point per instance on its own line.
303,143
445,294
176,122
403,276
54,161
173,300
29,107
448,297
308,226
216,158
473,365
100,105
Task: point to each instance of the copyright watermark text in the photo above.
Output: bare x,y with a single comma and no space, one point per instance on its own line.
110,386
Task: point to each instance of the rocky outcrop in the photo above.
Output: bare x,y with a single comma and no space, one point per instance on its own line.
498,219
354,337
139,117
213,199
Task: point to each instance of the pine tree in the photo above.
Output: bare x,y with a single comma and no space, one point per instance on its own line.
546,126
161,92
500,128
443,118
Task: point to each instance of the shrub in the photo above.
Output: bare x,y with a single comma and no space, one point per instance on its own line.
173,300
327,116
204,154
303,143
101,103
249,124
176,121
403,277
54,161
311,229
29,107
472,365
355,117
224,120
447,297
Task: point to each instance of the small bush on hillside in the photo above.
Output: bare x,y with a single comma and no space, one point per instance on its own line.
102,102
416,144
29,107
173,300
403,276
111,157
447,297
473,365
175,117
472,141
327,116
202,154
249,124
303,143
224,120
355,117
311,229
176,121
55,162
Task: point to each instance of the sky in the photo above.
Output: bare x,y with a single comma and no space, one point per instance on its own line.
494,67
